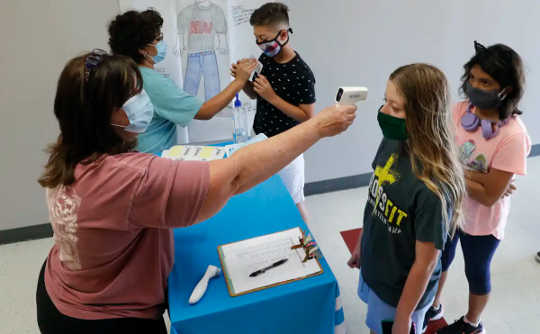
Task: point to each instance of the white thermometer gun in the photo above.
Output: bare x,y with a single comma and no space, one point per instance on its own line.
200,288
351,95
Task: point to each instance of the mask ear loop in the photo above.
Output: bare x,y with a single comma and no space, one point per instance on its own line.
147,56
286,41
124,126
502,95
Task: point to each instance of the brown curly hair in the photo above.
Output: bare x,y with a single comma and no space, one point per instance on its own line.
133,30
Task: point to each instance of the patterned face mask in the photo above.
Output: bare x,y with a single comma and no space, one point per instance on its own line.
273,47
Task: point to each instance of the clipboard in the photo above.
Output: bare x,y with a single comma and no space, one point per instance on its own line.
240,258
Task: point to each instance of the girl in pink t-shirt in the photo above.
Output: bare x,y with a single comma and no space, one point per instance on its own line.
493,147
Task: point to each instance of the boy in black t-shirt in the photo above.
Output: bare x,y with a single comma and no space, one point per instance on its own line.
285,89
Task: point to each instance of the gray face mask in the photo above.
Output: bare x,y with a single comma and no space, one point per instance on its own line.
484,99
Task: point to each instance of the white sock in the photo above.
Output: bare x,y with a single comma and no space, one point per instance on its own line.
470,322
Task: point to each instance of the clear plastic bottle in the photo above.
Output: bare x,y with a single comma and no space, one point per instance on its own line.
240,119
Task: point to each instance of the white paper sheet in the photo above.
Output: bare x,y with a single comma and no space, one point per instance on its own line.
242,258
198,153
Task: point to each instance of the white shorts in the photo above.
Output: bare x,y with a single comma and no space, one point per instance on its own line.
292,176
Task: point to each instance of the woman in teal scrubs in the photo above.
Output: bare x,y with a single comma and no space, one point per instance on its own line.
138,35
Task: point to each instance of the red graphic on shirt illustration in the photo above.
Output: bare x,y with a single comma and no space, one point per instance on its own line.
201,27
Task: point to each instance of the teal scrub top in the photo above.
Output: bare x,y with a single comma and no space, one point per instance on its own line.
172,106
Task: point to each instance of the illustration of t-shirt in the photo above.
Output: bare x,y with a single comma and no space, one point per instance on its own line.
201,24
294,82
400,210
507,151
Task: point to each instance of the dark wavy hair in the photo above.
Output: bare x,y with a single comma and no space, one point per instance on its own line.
504,65
271,13
83,108
133,30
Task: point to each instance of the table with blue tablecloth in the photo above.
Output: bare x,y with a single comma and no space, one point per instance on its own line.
311,305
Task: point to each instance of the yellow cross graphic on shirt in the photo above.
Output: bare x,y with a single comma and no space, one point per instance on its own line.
385,175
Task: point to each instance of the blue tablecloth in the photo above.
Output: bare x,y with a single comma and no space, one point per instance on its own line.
310,306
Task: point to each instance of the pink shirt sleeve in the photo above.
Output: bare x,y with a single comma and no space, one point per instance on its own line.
511,155
170,193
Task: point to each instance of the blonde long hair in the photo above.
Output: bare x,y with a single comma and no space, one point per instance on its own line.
431,144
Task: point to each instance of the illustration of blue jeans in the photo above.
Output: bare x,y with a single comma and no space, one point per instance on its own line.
202,64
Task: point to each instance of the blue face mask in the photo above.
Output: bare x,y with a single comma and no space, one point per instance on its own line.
161,47
139,111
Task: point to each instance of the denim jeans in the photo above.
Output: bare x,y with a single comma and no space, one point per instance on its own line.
202,64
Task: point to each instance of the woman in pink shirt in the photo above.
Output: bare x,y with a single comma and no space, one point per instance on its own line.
113,209
493,147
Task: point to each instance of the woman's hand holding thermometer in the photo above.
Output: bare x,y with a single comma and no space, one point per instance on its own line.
351,95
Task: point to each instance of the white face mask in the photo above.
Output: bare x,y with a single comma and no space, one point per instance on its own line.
139,111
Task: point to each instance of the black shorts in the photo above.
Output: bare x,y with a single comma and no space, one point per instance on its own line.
50,320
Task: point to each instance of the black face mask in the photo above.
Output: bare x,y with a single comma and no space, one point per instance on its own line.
484,99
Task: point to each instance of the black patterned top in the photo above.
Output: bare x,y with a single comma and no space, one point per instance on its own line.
294,82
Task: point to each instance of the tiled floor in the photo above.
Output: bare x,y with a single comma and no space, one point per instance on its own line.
514,306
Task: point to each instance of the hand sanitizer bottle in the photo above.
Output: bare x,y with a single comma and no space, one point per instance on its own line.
240,118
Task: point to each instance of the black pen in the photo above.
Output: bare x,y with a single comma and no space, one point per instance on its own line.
273,265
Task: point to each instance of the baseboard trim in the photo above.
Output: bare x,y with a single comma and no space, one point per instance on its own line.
535,151
341,183
313,188
26,233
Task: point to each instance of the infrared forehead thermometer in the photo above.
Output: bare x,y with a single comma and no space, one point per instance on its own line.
351,95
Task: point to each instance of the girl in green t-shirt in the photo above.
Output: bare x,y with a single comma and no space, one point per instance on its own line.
413,201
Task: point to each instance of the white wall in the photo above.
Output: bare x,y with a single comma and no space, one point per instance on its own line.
346,42
350,42
38,37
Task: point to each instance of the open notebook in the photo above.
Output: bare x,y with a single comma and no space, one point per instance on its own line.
240,259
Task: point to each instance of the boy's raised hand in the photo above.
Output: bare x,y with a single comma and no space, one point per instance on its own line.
263,88
243,68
